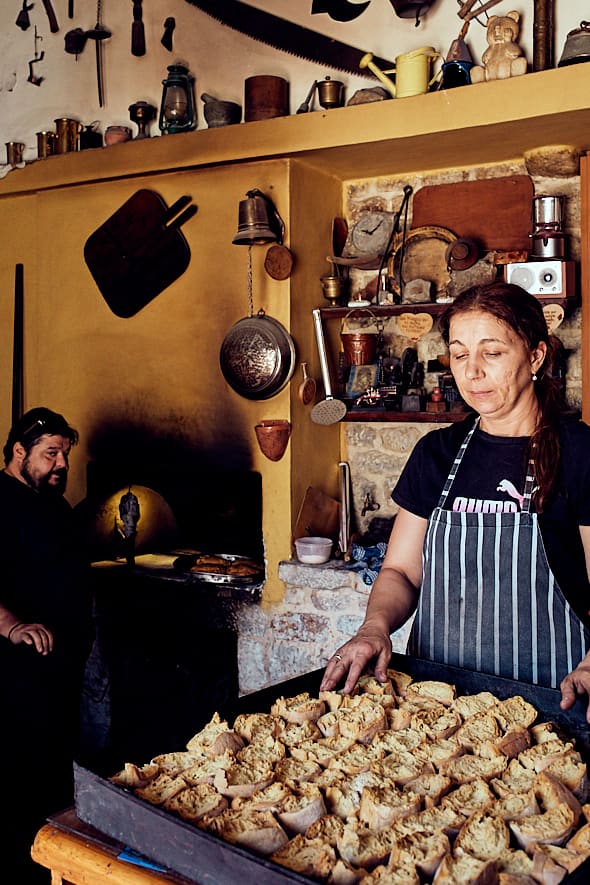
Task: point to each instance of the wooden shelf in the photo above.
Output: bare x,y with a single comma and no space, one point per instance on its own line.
389,310
383,416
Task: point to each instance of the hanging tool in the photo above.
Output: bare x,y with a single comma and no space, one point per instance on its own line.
39,56
339,10
22,20
53,25
17,345
98,34
286,35
75,41
305,105
169,25
70,8
137,30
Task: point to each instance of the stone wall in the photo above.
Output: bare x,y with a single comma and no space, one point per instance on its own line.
324,605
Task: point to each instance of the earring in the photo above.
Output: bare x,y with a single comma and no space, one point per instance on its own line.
534,376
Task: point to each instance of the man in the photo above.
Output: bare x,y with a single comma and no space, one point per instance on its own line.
45,634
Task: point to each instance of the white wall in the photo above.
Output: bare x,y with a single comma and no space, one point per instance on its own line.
218,57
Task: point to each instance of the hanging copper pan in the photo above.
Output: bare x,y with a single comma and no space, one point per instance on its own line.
257,357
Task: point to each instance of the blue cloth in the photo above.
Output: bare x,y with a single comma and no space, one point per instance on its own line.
368,560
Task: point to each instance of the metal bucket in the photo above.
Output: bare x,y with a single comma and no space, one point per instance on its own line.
359,347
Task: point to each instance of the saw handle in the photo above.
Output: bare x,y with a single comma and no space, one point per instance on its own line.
137,30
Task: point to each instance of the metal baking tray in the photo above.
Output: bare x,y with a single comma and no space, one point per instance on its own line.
201,857
184,562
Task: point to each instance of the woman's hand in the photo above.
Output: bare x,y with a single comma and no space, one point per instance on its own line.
368,644
32,634
576,684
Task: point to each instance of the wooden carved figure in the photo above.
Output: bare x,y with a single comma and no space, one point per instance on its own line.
503,58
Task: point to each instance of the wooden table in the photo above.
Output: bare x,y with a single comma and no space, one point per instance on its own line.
79,855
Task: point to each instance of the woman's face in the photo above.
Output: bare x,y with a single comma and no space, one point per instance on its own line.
493,367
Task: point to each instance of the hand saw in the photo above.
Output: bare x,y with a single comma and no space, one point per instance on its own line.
287,36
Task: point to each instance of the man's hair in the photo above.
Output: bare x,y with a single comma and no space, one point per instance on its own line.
33,425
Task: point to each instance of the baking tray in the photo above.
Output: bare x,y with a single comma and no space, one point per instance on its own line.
184,561
202,857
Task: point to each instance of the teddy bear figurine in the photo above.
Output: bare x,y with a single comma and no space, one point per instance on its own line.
503,58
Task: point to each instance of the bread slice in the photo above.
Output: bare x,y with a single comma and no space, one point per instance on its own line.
296,771
469,704
345,874
194,803
248,725
243,779
258,830
539,756
515,879
392,875
402,767
366,848
215,738
465,870
551,792
580,841
515,862
571,771
309,857
328,828
293,733
430,786
344,798
400,681
545,857
381,805
133,776
269,798
514,742
515,779
301,808
300,708
357,758
514,711
438,751
469,798
322,751
204,772
422,851
514,806
399,741
442,692
268,749
161,788
484,836
554,827
431,820
438,722
362,722
479,727
469,768
174,763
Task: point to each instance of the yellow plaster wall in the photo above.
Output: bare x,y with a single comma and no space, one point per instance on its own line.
157,373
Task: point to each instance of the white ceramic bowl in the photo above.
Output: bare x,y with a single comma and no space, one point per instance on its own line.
313,550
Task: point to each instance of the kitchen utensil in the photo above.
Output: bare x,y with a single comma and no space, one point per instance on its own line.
424,257
139,251
273,436
495,212
305,105
18,344
577,46
98,34
278,262
14,152
330,93
329,410
412,72
462,254
167,38
319,515
137,30
307,389
220,113
313,550
45,144
285,35
53,25
344,533
257,357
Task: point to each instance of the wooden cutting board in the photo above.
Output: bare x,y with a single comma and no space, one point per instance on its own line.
319,516
495,212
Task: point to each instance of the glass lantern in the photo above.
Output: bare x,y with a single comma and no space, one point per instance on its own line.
177,111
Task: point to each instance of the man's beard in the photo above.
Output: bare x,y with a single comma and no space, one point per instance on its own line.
42,484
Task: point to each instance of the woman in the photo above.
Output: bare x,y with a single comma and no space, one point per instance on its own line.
491,544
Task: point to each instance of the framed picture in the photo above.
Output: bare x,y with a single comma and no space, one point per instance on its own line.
360,378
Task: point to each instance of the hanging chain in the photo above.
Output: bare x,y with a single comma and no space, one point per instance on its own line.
98,11
250,301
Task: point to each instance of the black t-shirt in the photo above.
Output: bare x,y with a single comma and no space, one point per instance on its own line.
491,478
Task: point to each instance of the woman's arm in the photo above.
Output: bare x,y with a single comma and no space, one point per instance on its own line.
577,682
31,634
393,599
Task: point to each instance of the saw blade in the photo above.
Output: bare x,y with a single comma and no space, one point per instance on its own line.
286,36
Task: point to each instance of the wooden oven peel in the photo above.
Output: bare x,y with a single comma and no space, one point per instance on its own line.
139,251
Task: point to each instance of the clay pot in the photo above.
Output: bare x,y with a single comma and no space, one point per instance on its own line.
273,436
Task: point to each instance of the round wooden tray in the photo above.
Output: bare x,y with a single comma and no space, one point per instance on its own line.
424,257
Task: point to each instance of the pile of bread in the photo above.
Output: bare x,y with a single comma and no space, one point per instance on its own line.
212,564
403,783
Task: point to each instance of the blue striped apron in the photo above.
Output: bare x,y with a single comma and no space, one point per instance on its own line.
489,601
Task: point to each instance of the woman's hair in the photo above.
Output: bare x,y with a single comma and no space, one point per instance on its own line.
522,312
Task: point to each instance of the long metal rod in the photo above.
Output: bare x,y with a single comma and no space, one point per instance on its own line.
17,344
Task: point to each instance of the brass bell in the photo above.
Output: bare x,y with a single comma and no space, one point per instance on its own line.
255,225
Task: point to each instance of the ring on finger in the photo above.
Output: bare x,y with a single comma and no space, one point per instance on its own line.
338,658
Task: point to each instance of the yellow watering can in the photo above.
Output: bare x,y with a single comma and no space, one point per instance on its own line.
412,72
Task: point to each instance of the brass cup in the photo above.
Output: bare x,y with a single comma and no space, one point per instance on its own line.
330,93
14,152
45,144
67,137
333,288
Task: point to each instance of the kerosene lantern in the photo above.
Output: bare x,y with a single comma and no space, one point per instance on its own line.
177,111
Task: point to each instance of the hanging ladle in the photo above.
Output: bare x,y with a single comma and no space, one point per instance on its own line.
307,388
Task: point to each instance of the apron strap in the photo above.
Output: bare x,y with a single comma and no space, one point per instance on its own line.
453,472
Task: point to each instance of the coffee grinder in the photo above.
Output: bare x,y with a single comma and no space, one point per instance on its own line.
547,237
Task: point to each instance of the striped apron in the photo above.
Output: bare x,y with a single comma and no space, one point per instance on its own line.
489,601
